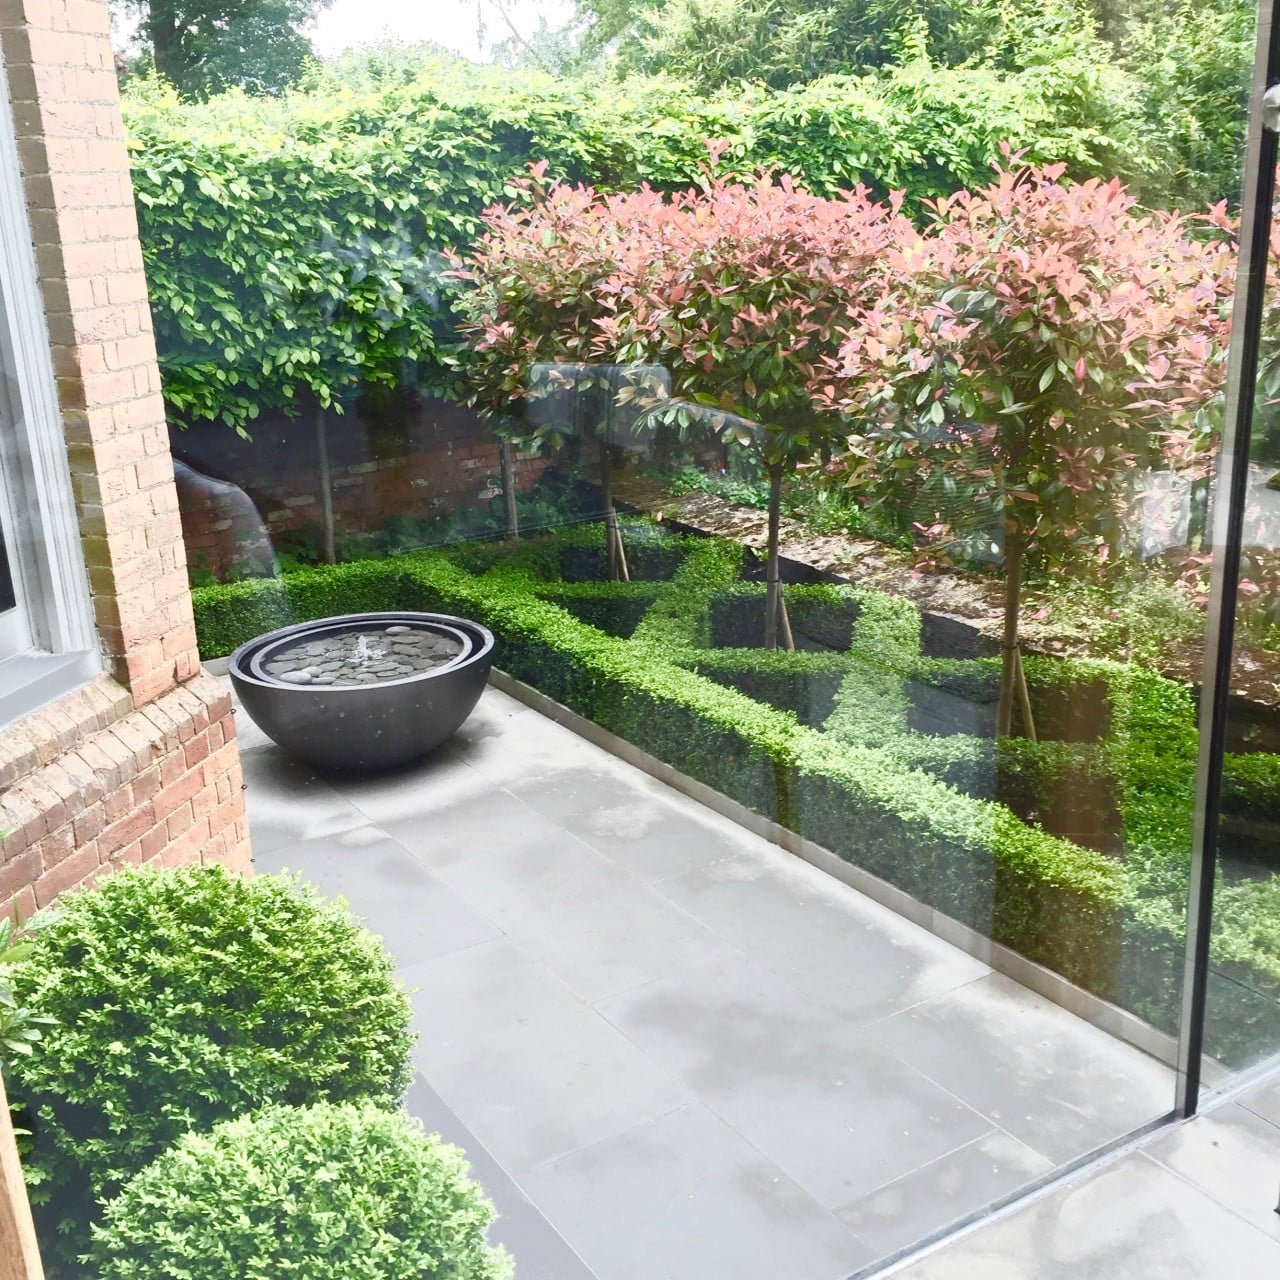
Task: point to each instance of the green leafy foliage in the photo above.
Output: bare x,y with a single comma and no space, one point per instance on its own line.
1195,60
350,1190
184,997
20,1026
292,244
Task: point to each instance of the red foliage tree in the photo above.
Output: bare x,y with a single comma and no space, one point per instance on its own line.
1037,347
739,290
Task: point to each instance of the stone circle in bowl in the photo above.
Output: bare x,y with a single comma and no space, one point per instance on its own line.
367,691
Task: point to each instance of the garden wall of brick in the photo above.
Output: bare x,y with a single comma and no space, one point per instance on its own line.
94,782
421,458
140,765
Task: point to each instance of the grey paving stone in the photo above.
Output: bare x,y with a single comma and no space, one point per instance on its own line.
417,916
804,1086
534,1072
776,1049
287,802
1234,1156
416,792
640,823
576,791
835,946
539,1251
506,741
692,1200
595,926
959,1184
466,827
1052,1080
1133,1220
1264,1100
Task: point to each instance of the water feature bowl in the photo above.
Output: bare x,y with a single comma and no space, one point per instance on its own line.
365,691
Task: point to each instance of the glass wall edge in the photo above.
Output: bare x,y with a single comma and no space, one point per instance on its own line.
1231,475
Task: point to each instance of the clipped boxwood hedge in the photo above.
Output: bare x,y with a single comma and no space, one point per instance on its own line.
864,785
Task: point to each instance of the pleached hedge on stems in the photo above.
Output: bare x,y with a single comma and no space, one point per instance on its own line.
823,742
292,243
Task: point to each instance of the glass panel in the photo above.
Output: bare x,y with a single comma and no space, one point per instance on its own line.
1243,1005
8,598
854,465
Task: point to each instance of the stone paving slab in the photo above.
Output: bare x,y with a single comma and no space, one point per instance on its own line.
1132,1220
694,1055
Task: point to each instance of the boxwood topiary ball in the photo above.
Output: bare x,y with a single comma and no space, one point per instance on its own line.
184,997
330,1190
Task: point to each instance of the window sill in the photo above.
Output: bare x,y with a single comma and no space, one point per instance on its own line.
30,681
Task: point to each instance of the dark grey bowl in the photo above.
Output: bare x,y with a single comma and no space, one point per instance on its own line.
370,727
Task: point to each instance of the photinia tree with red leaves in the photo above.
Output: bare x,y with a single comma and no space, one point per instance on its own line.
739,290
742,291
535,289
1035,349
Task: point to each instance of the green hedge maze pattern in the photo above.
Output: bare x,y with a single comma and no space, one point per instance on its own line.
1072,850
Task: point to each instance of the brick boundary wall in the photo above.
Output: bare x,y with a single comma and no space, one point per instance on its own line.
435,458
141,765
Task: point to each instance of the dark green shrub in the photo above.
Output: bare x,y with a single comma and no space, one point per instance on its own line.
822,617
351,1191
184,997
803,683
653,553
1251,786
616,608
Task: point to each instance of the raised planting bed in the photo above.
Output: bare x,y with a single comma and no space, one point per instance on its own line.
829,743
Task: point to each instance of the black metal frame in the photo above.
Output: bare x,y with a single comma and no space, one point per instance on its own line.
1230,491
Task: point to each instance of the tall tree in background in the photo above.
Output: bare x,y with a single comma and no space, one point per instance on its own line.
204,46
785,42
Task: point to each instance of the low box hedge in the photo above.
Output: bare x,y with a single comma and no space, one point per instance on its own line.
822,616
616,608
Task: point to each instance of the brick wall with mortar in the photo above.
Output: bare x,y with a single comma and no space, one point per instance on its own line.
141,765
423,459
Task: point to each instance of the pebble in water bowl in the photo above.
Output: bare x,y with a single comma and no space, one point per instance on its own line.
364,657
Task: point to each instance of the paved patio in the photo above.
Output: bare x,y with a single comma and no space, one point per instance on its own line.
1196,1201
671,1049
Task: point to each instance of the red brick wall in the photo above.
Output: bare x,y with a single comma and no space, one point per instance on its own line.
94,783
141,765
428,459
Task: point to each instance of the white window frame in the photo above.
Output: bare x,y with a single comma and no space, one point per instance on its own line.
52,647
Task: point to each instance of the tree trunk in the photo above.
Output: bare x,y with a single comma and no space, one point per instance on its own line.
775,608
615,552
508,487
326,488
1013,681
163,30
1024,699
